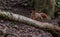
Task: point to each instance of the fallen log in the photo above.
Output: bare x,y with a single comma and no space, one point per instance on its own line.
20,18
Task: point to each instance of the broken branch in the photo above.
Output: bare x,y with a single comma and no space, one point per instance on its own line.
20,18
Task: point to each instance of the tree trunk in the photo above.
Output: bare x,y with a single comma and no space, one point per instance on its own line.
51,5
44,4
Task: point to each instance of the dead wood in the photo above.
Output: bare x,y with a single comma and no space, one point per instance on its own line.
23,19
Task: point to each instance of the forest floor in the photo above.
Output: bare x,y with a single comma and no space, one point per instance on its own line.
18,29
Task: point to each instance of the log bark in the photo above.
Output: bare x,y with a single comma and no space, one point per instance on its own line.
20,18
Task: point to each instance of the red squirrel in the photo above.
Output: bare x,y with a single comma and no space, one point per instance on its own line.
35,15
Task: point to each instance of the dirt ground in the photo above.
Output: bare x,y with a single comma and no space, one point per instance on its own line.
18,29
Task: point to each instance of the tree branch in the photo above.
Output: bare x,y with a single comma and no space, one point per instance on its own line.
16,17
